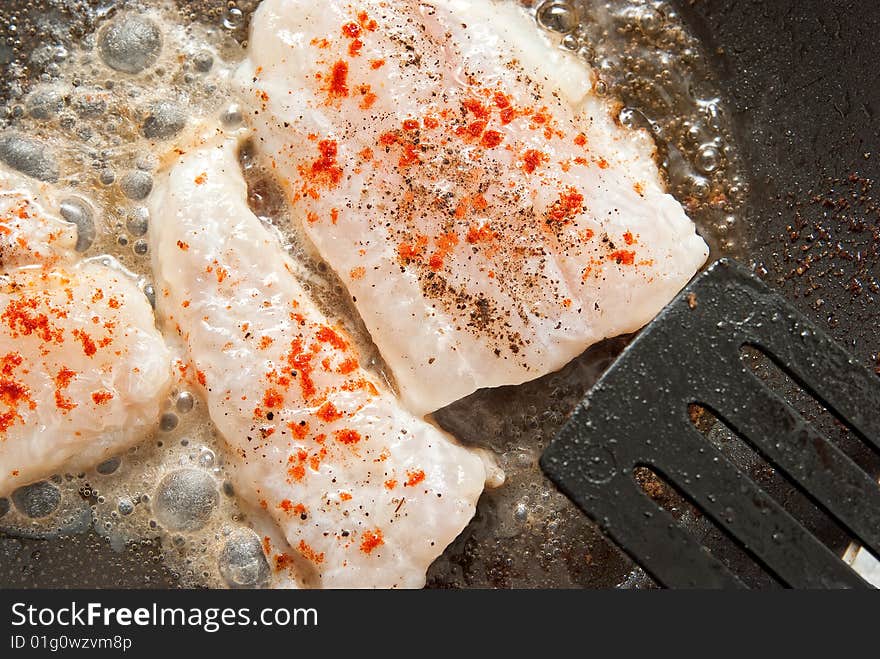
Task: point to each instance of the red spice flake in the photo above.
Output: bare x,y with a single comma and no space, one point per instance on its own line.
312,217
368,100
89,347
410,124
566,303
445,244
21,318
351,30
182,245
414,477
203,177
639,189
347,436
65,375
286,505
300,363
315,460
479,203
62,402
338,85
348,366
324,170
491,139
628,238
7,419
273,399
328,412
327,335
476,108
507,115
566,207
532,159
265,342
345,496
580,139
372,539
602,163
299,430
101,396
358,272
622,257
475,129
501,100
587,234
309,553
283,561
9,362
481,233
390,484
221,274
387,139
113,303
366,154
366,22
200,376
377,64
408,251
430,122
99,295
320,43
354,48
409,156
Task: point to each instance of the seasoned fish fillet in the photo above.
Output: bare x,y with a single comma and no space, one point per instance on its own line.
366,494
485,209
83,370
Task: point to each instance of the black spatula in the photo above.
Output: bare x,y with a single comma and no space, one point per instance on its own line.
637,415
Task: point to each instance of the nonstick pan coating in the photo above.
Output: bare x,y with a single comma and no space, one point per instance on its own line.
803,82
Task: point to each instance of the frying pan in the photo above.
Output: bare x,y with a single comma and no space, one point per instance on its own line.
802,81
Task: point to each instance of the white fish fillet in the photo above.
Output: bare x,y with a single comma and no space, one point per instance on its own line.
459,173
365,494
83,369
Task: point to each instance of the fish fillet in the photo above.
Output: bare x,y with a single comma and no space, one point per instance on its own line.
83,370
485,209
365,494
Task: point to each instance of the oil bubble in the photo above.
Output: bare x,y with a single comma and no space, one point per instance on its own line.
108,466
28,156
45,103
185,402
185,500
164,120
37,500
138,221
242,563
233,18
231,116
203,61
557,16
168,422
141,247
130,44
125,506
136,185
207,458
708,158
77,211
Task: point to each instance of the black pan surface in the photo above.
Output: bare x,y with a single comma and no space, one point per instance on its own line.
802,78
